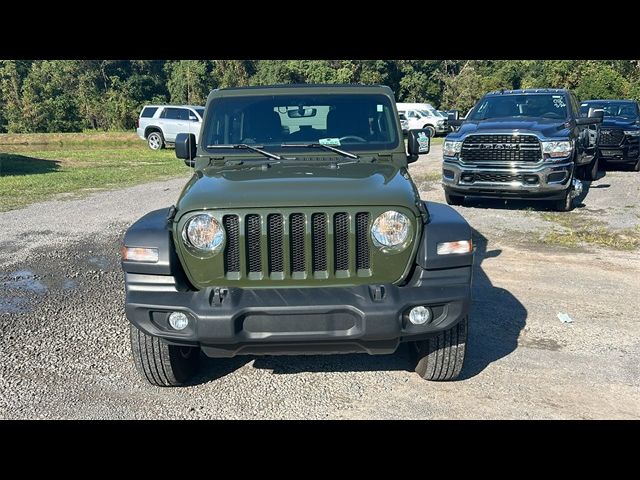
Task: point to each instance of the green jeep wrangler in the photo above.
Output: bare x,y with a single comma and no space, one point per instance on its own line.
300,232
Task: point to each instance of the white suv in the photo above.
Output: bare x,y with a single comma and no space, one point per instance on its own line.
159,124
423,115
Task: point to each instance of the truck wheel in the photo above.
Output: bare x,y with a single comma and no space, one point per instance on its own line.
432,130
565,204
453,199
161,364
155,140
441,357
591,170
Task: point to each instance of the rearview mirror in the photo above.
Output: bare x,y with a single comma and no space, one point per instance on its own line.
302,113
186,148
419,143
596,113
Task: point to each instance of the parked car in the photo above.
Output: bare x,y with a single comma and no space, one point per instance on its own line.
404,123
619,138
529,144
159,124
423,115
299,233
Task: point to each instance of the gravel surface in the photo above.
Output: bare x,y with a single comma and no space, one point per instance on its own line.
65,348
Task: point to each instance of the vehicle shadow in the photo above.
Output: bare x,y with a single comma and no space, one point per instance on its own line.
13,164
537,205
496,319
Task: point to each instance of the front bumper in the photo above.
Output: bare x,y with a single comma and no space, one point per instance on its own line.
365,318
540,180
629,151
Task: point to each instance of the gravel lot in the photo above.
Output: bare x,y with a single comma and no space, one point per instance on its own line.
65,349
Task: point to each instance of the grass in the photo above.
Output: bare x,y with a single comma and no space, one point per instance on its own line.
35,167
578,231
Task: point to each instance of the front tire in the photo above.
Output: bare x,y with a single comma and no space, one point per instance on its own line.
591,171
565,204
441,358
161,364
155,140
432,130
453,199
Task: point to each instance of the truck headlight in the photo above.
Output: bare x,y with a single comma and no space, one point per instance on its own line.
391,230
451,149
204,233
632,133
557,149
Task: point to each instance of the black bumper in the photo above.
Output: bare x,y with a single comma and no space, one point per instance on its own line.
628,152
509,194
365,318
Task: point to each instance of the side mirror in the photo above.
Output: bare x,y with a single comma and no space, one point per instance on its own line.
596,116
419,143
186,148
453,117
596,113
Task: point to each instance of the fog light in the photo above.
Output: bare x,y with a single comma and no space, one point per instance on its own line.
178,320
419,315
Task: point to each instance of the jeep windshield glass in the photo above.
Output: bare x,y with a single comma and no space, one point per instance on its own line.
350,122
612,109
551,106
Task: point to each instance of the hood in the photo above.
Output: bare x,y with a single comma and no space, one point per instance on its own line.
621,122
544,127
297,185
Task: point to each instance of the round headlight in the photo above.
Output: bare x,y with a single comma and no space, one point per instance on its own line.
204,233
390,229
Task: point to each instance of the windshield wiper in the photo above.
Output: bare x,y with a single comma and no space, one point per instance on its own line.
244,146
320,145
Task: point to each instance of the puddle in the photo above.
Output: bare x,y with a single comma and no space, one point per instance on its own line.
12,305
22,280
99,261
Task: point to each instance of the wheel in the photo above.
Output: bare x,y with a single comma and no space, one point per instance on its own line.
565,204
432,130
441,357
155,140
453,199
161,364
591,170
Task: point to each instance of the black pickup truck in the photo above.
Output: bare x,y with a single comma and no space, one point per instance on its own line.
528,144
619,138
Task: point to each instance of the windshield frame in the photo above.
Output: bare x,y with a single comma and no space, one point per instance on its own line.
393,125
567,107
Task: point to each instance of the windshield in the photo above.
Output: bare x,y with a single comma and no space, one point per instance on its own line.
361,122
428,113
530,105
611,109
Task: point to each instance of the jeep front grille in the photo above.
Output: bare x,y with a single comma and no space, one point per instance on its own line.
610,137
501,148
297,245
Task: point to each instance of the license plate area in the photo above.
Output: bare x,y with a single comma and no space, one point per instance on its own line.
611,153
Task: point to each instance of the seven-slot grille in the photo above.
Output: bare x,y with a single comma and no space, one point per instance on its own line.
297,245
501,148
611,137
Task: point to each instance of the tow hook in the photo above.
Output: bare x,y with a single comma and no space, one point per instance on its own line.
577,188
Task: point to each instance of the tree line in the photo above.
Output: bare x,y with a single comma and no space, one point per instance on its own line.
75,95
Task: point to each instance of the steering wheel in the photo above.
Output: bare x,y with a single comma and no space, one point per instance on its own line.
353,137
